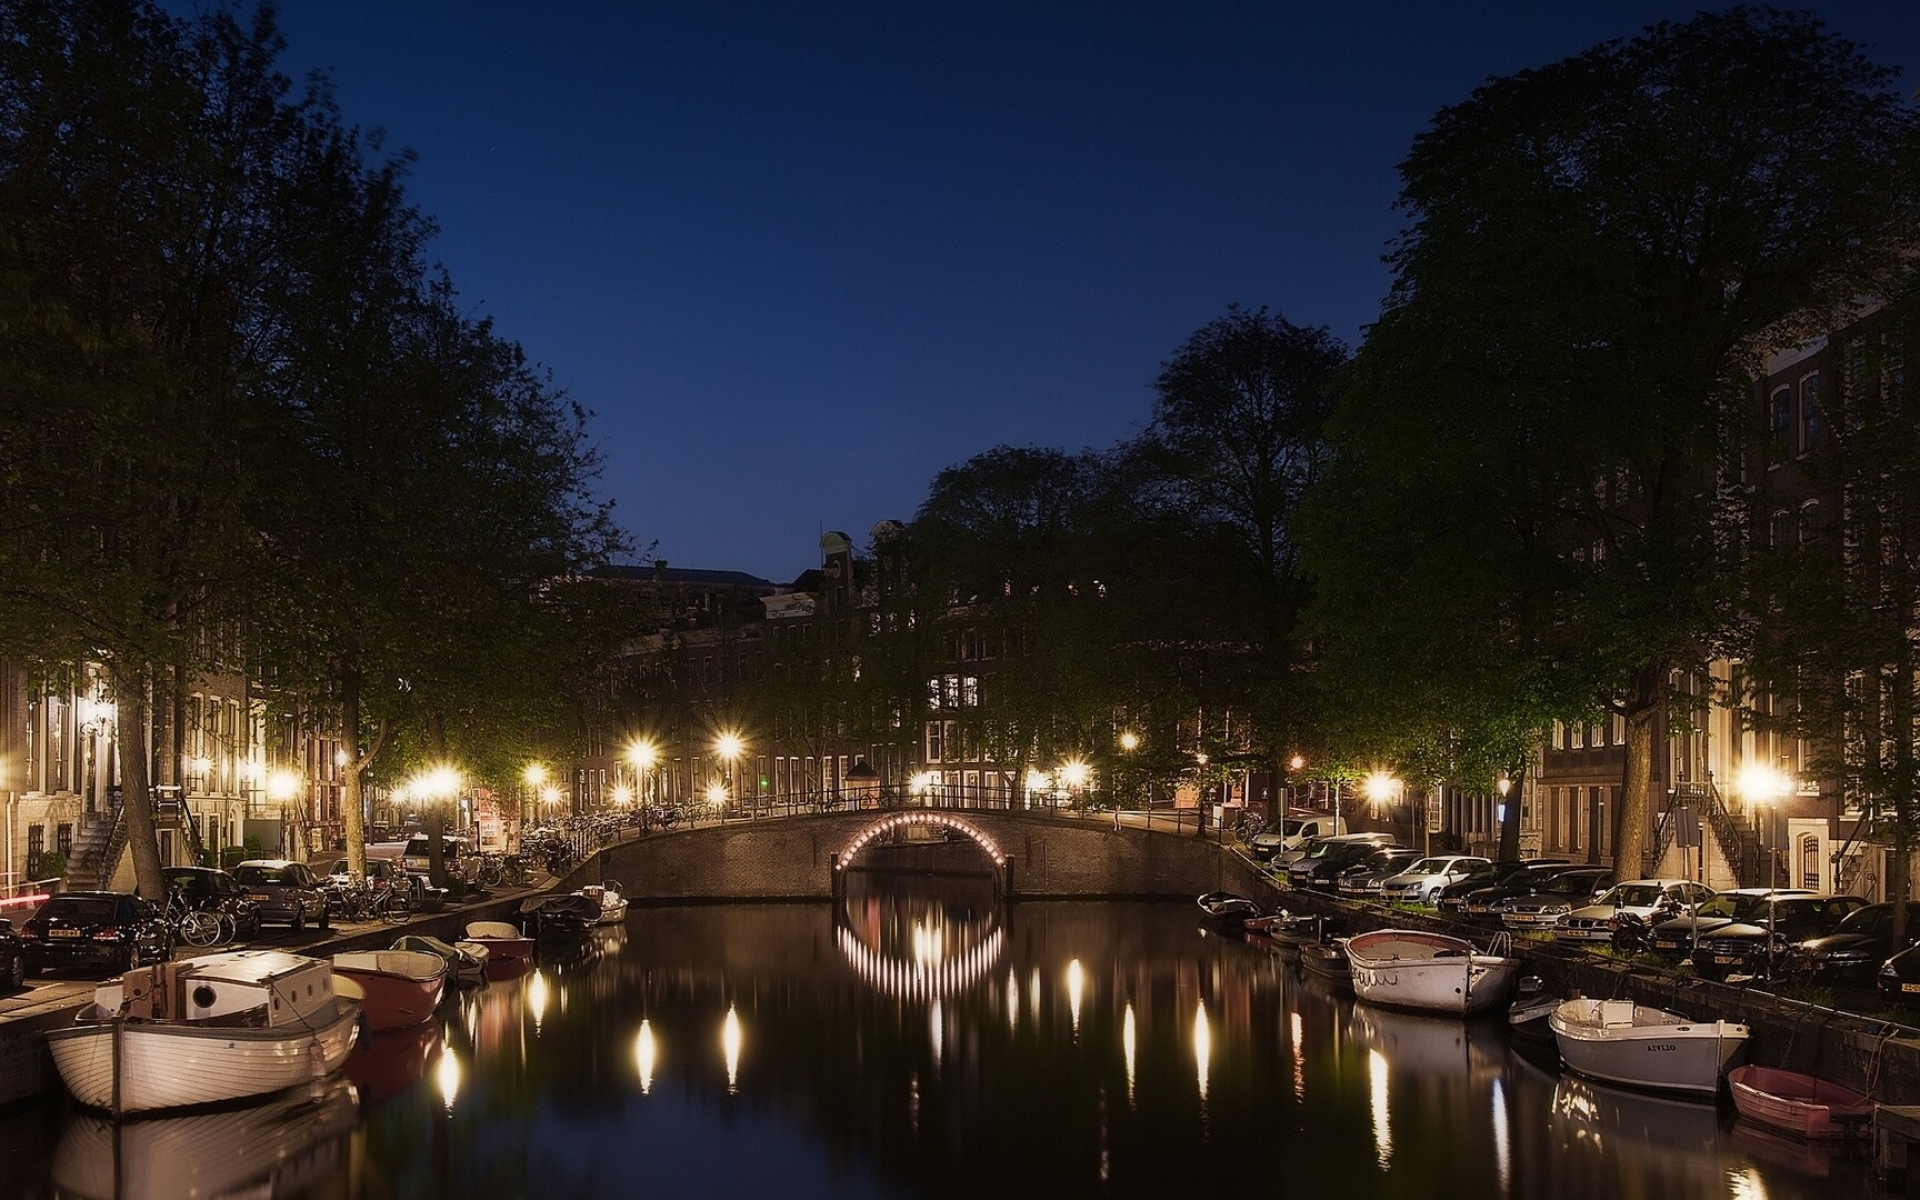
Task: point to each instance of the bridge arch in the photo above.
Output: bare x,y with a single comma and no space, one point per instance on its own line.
894,822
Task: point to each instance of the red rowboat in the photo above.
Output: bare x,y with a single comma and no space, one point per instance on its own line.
1799,1104
403,987
503,941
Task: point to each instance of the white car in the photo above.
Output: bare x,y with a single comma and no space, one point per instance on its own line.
1643,898
1286,842
1421,882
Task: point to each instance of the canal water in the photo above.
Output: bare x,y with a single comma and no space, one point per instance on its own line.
923,1043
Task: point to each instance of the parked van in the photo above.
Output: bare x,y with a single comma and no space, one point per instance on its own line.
455,849
1285,843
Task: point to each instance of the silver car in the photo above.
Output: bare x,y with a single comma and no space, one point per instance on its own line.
1421,882
286,893
1646,899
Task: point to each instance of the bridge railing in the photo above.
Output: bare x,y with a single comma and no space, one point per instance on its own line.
893,797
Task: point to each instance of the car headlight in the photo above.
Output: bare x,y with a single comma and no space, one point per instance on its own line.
1556,910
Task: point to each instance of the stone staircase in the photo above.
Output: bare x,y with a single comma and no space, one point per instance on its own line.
96,852
1730,854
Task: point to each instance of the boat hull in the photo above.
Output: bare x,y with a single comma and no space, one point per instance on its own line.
395,1001
124,1067
1461,983
1799,1104
1670,1058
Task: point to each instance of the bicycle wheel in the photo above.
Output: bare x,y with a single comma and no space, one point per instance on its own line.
199,929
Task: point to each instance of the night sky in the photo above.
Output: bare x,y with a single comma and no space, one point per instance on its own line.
800,256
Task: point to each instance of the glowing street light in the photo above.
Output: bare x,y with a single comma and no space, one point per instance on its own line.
534,775
1074,773
642,755
622,795
1129,741
282,785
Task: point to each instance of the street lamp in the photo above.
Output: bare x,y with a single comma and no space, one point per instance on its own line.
728,746
1764,787
1129,741
1382,788
436,786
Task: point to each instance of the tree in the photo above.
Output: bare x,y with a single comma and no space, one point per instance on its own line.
1600,253
1237,440
1835,613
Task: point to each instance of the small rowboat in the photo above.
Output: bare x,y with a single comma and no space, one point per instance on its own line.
1327,961
402,987
504,943
1226,912
1799,1104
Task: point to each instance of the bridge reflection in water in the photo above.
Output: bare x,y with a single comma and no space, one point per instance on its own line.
925,1040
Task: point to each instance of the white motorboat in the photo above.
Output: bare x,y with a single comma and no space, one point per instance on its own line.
206,1030
1623,1042
1410,968
613,905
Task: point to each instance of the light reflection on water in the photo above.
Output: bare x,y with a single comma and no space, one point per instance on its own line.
929,1044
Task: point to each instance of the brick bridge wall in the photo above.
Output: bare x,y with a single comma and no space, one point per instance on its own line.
790,858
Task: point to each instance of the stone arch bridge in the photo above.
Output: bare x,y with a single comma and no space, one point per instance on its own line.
808,857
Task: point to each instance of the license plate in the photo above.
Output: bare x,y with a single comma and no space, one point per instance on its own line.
1910,987
1725,960
63,933
258,897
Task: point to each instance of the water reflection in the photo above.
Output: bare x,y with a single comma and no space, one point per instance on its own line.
293,1147
598,1076
644,1055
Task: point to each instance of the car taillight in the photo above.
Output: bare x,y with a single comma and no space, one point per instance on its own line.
109,934
29,932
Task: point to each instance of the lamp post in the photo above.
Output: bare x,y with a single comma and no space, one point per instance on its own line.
437,786
728,746
1764,788
283,788
533,776
641,755
1382,788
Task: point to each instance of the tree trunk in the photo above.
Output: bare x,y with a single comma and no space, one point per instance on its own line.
136,761
1636,804
1510,807
436,821
1900,790
356,766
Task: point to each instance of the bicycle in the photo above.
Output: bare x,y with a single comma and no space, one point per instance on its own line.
196,926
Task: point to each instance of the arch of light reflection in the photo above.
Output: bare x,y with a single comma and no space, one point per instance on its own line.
908,979
921,816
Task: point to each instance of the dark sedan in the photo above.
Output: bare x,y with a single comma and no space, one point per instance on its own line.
1852,953
1760,941
205,889
1363,880
1454,896
1675,938
100,930
286,893
1488,905
13,958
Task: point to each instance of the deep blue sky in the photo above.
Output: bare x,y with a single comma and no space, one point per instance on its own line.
799,256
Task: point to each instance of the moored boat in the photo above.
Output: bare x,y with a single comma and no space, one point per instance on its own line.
207,1030
467,961
1799,1104
403,987
1531,1009
1327,961
568,918
613,904
1432,972
1227,912
1623,1042
504,943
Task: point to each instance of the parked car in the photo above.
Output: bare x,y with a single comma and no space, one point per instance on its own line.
287,893
1674,937
1643,900
1487,905
111,931
1421,881
1321,866
1759,943
215,891
1293,834
1498,871
1854,951
1554,897
1362,880
13,957
379,871
456,853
